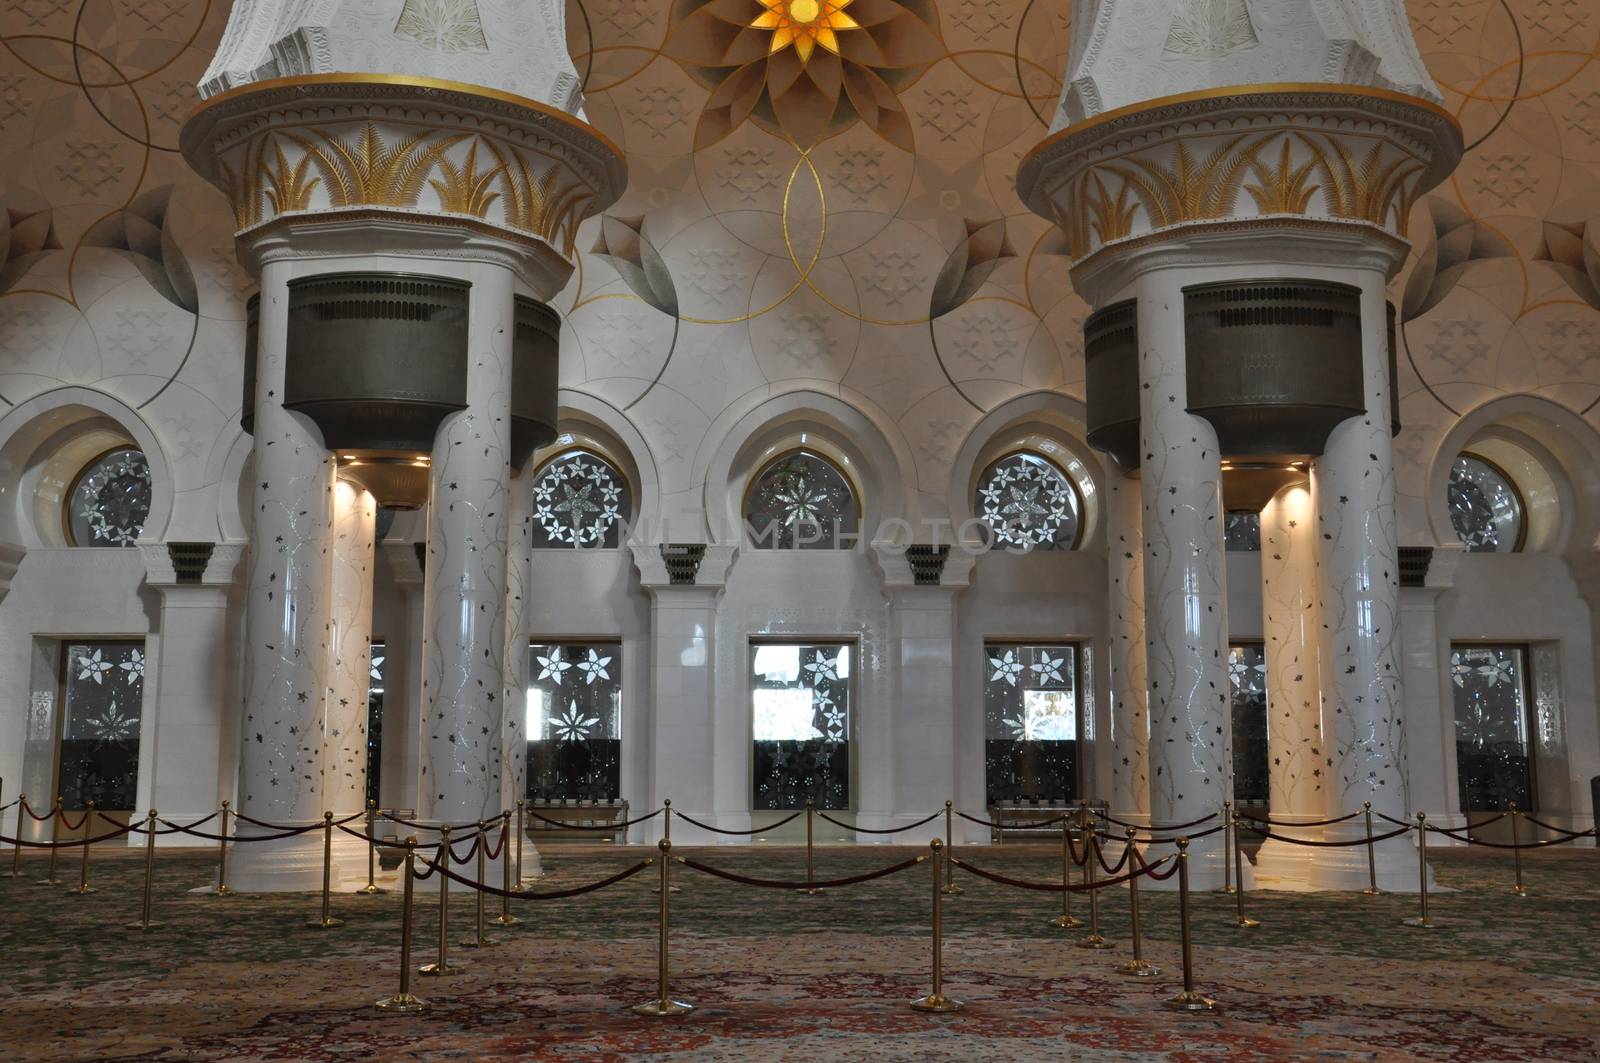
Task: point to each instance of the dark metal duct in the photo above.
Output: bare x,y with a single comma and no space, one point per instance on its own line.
1111,368
535,369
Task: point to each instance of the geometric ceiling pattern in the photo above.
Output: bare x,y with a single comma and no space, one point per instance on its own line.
822,200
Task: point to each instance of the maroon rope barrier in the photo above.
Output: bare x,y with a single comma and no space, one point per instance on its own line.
1038,825
493,852
1571,836
119,832
612,826
417,823
1149,868
532,895
1112,869
279,826
1169,841
1059,887
1243,814
1324,845
1530,819
810,884
34,815
1153,826
874,830
753,830
67,823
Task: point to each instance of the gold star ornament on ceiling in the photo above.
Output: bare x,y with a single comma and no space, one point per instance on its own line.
804,24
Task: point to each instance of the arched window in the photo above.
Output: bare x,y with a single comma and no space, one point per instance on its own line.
1486,508
802,501
1029,503
110,500
579,499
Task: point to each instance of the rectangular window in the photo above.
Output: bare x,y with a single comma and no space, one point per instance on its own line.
1247,688
375,720
103,694
1493,765
574,724
1033,717
801,726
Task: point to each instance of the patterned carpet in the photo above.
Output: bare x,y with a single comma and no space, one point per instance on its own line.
778,976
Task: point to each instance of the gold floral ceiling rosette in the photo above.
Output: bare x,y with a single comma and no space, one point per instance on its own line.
805,69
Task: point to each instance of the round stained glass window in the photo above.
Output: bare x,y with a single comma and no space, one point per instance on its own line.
110,501
579,499
801,501
1028,503
1485,507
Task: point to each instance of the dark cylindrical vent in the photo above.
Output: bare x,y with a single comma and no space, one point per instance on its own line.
1111,367
252,339
535,368
377,360
1394,375
1275,365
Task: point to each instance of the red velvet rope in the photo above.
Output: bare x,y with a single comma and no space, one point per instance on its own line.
617,825
1154,826
531,895
119,832
1059,887
769,883
753,830
34,815
1038,825
1326,845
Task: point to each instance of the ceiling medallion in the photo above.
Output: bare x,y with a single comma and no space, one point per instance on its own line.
805,24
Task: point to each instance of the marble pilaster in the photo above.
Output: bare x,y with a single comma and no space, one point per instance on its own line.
345,738
1127,677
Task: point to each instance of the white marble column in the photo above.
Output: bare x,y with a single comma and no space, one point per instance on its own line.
464,626
355,516
514,704
286,620
1185,593
1295,753
1358,597
1127,678
402,678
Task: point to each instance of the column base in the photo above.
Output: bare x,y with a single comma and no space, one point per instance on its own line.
1206,875
1285,866
1345,868
284,865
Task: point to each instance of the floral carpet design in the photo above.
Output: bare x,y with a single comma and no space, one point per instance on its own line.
776,975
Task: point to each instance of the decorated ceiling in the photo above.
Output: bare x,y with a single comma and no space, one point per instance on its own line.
821,197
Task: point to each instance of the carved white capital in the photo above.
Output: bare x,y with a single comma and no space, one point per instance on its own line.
225,567
655,576
894,562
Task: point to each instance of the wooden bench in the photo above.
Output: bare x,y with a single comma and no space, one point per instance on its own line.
597,818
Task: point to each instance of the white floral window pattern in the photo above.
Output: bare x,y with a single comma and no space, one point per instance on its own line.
110,501
802,502
1494,766
801,723
1028,503
579,499
574,724
1032,721
99,749
1485,506
1241,530
375,670
1247,690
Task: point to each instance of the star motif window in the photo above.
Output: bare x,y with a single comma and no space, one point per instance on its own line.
802,502
574,723
1031,722
1247,689
104,700
579,499
1241,530
1485,506
800,724
110,501
1494,765
1028,503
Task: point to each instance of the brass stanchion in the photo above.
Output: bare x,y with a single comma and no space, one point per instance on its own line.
144,922
1066,920
811,864
1094,940
1243,921
1422,922
55,836
936,1000
442,967
372,852
477,940
1516,854
16,850
1188,1000
83,869
1229,828
403,1000
327,921
1137,967
950,886
663,1005
666,833
223,889
520,878
505,918
1372,859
